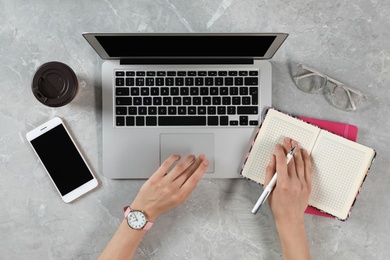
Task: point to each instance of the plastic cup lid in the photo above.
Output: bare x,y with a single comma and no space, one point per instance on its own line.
55,84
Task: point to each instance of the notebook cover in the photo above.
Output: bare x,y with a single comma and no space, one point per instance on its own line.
345,130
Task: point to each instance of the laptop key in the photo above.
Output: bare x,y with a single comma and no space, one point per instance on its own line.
182,121
140,82
122,91
218,81
247,110
187,101
253,91
159,81
129,81
162,110
149,81
152,110
139,121
157,101
238,81
120,81
179,81
172,110
137,101
251,81
192,110
121,110
198,81
154,91
123,101
212,120
229,81
246,100
120,121
134,91
132,111
231,110
130,121
169,81
254,122
182,110
151,120
224,120
243,120
189,81
144,91
142,111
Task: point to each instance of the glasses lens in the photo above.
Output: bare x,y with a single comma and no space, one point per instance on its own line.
344,98
308,81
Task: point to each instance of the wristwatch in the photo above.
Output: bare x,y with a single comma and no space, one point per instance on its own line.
136,219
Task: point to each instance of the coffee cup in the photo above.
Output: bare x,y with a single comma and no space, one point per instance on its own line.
55,84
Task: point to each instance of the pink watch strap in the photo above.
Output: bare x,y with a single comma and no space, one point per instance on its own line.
148,224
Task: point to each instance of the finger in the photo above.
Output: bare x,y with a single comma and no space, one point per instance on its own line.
189,171
281,163
190,184
299,165
308,168
270,170
163,169
181,167
287,145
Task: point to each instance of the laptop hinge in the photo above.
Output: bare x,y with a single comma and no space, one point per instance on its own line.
152,61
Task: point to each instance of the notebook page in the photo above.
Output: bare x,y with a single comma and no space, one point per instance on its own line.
339,167
275,127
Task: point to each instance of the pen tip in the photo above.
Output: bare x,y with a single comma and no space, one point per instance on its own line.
293,150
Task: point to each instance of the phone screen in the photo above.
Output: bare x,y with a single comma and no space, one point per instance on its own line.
62,159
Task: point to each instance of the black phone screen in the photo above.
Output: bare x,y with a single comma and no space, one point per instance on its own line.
61,159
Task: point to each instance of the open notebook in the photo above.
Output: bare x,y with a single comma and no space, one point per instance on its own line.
339,165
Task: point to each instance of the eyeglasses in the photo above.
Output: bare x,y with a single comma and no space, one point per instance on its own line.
340,95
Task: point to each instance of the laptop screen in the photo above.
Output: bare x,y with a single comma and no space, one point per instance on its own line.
216,45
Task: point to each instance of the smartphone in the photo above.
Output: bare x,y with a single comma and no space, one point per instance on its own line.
62,160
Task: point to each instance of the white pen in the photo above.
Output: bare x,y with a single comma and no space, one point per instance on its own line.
267,191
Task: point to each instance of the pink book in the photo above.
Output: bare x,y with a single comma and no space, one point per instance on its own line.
345,130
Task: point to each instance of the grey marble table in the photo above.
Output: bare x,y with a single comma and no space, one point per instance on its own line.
348,40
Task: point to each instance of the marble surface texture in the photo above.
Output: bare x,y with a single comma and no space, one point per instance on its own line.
348,40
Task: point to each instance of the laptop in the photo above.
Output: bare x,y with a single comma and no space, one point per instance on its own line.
182,93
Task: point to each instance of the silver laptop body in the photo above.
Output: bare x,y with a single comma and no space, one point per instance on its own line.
134,146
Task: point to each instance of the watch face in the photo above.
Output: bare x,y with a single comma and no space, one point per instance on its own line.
136,219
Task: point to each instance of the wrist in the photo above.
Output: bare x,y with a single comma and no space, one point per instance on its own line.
292,237
149,212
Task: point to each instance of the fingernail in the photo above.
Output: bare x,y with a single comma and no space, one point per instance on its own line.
206,162
287,140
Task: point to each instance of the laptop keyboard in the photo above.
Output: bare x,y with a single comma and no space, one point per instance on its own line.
186,98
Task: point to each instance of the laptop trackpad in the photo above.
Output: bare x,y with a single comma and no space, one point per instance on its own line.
185,144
